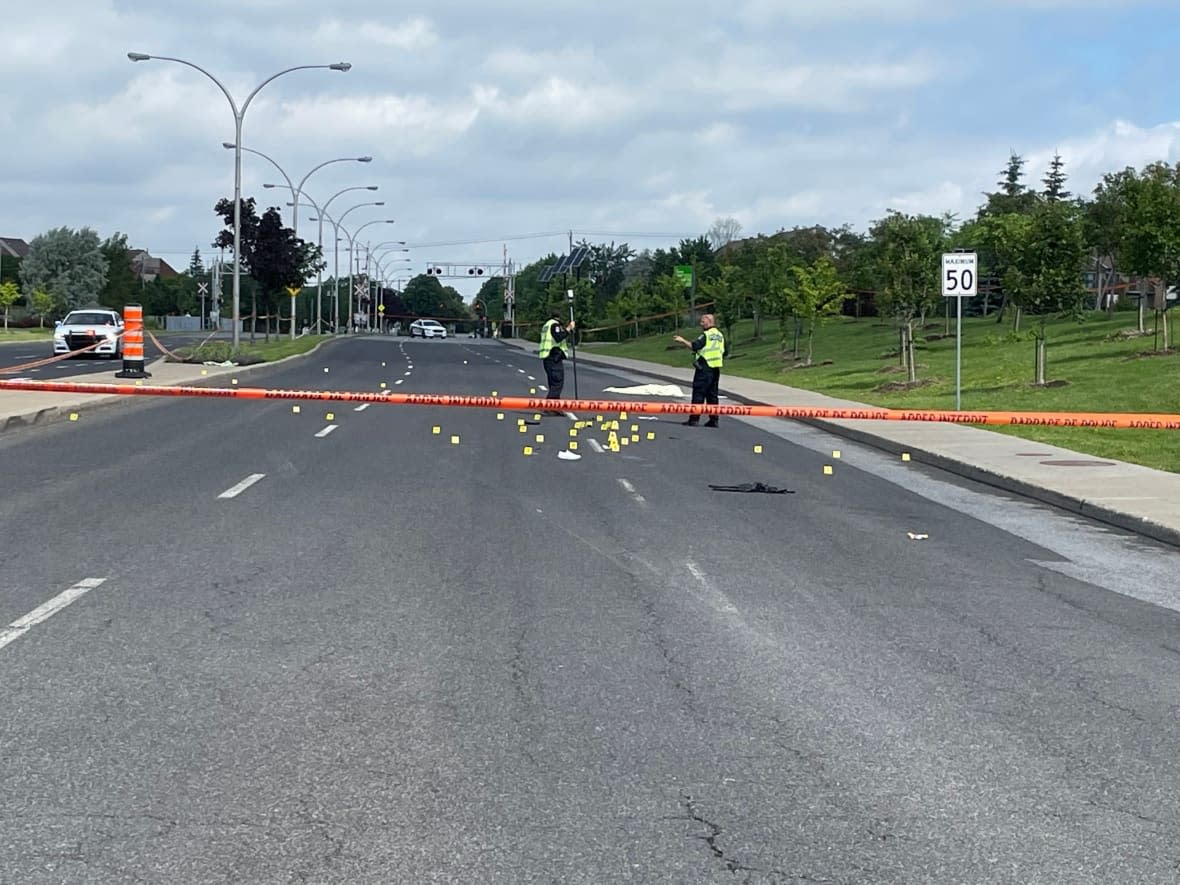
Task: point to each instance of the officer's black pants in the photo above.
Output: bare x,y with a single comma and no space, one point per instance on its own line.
554,375
705,383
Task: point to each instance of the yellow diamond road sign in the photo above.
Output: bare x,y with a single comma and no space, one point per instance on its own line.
380,308
293,290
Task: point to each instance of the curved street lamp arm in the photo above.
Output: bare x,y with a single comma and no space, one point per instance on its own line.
258,88
358,187
180,61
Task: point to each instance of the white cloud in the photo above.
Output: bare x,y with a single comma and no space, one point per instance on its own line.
412,34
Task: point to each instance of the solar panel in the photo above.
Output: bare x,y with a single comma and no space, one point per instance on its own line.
579,255
546,274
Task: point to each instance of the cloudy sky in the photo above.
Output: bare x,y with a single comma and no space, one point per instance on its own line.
509,123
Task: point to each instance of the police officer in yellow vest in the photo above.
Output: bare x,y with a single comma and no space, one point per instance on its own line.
708,356
553,350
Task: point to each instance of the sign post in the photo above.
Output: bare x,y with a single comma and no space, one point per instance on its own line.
960,279
202,290
293,291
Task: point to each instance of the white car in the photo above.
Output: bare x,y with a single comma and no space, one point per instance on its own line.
81,328
427,329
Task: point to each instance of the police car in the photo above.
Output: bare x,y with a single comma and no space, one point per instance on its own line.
82,328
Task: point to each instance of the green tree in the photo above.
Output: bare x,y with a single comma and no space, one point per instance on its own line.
1050,268
42,303
278,259
68,264
1001,239
491,294
423,296
121,286
816,292
728,301
909,253
1054,181
196,267
1150,225
9,292
1102,226
1013,195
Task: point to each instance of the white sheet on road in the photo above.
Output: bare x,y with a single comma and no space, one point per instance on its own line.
649,390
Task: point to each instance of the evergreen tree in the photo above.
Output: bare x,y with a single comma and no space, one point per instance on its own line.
1013,195
196,267
1054,181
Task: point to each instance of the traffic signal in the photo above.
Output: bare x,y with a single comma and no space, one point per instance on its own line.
434,271
475,271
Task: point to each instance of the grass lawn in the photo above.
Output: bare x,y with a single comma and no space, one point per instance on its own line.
25,335
260,351
1092,367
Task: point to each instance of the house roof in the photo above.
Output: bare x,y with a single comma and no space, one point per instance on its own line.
144,264
14,246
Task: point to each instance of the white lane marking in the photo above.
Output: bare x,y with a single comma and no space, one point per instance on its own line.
521,371
631,490
20,626
234,491
406,375
596,445
400,381
542,387
531,378
713,596
326,431
362,407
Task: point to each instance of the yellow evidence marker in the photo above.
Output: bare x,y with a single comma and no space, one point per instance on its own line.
330,416
827,470
454,440
573,446
528,450
757,450
436,430
295,409
905,456
73,416
540,437
836,454
499,416
651,434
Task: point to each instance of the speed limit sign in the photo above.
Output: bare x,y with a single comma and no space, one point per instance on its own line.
959,274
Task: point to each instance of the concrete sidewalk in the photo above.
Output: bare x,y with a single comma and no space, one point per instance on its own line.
1138,499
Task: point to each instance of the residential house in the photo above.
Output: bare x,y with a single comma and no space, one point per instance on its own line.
13,247
146,268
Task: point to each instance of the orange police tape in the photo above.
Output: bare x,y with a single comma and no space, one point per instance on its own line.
1122,420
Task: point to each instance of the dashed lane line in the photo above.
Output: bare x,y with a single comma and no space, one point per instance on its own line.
21,626
234,491
326,431
626,484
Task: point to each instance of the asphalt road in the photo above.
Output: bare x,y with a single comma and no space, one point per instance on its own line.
19,353
393,658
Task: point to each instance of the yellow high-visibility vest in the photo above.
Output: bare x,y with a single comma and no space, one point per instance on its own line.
713,353
548,342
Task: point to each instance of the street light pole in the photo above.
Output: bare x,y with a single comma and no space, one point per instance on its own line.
239,115
322,213
296,191
351,242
